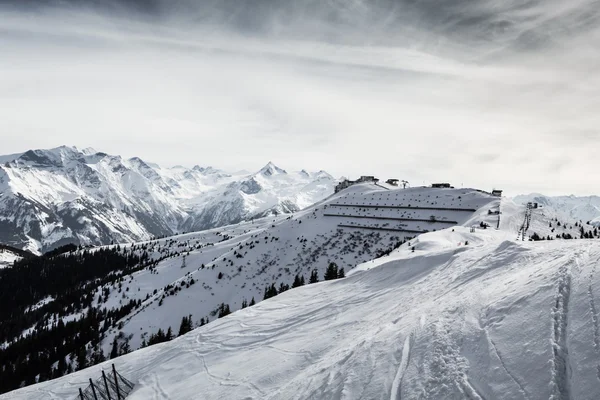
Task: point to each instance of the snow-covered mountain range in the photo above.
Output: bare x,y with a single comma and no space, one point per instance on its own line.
56,196
579,208
457,312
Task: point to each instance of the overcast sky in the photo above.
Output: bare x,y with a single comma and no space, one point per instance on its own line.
475,93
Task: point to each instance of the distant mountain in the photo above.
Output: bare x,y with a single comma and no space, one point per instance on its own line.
584,208
52,197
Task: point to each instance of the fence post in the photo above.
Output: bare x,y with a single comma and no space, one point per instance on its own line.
106,385
116,382
93,389
81,394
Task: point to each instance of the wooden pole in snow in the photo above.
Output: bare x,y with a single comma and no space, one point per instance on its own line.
93,389
106,385
116,382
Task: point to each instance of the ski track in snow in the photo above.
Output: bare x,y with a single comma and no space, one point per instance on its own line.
396,393
595,321
511,375
470,392
222,380
159,392
561,369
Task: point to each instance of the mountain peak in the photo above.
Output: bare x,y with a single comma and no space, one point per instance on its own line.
205,170
271,169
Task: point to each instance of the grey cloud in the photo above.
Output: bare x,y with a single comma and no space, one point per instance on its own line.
473,92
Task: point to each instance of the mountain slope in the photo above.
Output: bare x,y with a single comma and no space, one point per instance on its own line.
254,256
204,273
496,318
52,197
584,208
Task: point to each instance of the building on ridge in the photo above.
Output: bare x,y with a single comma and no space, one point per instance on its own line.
346,183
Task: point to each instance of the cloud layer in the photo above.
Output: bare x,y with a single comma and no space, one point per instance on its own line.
480,94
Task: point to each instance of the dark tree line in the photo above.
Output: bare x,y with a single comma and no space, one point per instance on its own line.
332,272
63,284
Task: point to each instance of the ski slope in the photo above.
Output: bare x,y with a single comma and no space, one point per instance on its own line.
494,319
477,315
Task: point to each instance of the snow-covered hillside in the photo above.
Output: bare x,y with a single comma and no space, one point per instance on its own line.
459,313
7,258
583,208
197,273
62,195
234,264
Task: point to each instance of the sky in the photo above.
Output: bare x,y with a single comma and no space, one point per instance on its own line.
474,93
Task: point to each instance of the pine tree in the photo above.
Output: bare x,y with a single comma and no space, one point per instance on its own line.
114,352
169,335
224,310
82,361
314,277
283,287
185,326
341,273
252,302
298,281
270,291
331,272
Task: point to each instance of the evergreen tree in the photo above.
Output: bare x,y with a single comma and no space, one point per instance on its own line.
298,281
283,287
341,273
314,276
169,335
185,326
81,358
114,352
224,310
331,272
270,291
252,302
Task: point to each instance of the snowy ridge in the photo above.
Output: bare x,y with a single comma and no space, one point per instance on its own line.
56,196
584,208
492,319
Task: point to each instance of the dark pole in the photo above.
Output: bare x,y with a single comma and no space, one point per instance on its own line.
81,394
93,389
106,385
116,382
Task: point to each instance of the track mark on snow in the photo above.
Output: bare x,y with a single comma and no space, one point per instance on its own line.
514,378
561,370
404,359
470,392
229,382
596,324
159,392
